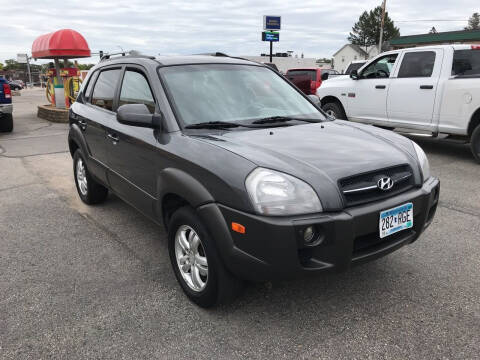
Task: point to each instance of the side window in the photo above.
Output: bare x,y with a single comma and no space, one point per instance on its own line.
381,68
104,91
135,90
466,63
417,64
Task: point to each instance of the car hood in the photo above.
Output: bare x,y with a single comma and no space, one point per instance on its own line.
320,153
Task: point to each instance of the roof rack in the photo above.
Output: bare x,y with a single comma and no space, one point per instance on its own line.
129,54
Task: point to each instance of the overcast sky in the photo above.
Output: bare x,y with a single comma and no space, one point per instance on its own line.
315,27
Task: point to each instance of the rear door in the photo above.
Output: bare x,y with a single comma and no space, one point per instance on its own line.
96,115
132,155
413,88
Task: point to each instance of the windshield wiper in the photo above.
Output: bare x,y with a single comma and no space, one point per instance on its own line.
213,125
278,119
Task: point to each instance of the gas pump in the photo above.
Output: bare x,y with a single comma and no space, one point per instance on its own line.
71,85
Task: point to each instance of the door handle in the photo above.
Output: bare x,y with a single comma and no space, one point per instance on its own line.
380,86
426,87
114,138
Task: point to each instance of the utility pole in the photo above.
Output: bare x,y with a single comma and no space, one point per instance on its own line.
28,69
380,43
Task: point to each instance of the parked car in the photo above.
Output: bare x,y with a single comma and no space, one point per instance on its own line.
308,79
14,85
6,108
249,177
434,89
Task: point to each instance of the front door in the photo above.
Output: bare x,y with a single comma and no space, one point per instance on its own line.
411,97
367,99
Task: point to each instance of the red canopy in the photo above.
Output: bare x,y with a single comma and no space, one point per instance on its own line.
64,43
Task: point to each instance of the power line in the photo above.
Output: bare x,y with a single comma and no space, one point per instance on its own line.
429,20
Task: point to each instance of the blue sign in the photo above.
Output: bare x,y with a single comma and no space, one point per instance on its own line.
271,22
270,36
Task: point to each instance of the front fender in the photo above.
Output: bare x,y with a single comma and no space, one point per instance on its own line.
178,182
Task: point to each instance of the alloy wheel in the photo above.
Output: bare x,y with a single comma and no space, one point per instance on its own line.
81,177
191,258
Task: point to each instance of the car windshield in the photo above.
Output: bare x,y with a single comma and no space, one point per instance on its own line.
233,93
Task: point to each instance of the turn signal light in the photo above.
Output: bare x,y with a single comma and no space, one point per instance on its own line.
238,228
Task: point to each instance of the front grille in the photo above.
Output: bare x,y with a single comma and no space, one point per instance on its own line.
361,189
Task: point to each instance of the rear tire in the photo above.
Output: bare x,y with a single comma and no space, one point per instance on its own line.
475,143
90,191
6,123
213,284
335,110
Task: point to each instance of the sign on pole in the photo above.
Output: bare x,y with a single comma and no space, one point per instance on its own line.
271,22
270,36
22,58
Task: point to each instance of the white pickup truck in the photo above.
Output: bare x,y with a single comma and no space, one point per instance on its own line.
434,89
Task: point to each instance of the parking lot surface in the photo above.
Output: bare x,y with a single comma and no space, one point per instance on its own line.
96,282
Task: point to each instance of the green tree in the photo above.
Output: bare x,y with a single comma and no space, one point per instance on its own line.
474,22
1,66
366,31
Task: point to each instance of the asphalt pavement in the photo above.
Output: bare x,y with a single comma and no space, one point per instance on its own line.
80,282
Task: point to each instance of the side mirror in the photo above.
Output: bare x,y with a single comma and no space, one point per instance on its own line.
315,99
324,76
138,115
354,75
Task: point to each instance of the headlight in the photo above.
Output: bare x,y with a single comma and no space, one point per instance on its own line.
276,194
422,158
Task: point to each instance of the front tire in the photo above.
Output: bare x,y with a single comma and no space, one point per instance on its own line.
475,143
6,123
90,191
335,110
196,263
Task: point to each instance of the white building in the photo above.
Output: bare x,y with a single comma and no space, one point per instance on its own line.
351,52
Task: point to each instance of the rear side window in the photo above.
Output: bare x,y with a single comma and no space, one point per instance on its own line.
135,90
88,90
466,63
312,74
417,64
104,90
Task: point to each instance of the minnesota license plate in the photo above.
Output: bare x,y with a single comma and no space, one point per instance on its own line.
396,219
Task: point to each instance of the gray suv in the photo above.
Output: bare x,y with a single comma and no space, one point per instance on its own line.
250,178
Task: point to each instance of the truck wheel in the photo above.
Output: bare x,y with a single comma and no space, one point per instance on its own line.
196,262
90,191
475,143
335,110
6,123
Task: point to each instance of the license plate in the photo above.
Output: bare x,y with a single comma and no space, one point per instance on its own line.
396,219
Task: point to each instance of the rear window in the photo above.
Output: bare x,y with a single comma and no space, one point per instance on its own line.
312,74
417,64
466,63
104,90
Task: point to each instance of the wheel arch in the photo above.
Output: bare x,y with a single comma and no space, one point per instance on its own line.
176,188
330,99
474,122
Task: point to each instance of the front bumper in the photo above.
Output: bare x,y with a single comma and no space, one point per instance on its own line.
6,109
273,247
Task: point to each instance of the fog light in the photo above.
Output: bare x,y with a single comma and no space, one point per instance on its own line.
309,234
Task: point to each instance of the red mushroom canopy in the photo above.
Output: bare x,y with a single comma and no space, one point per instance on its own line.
64,43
